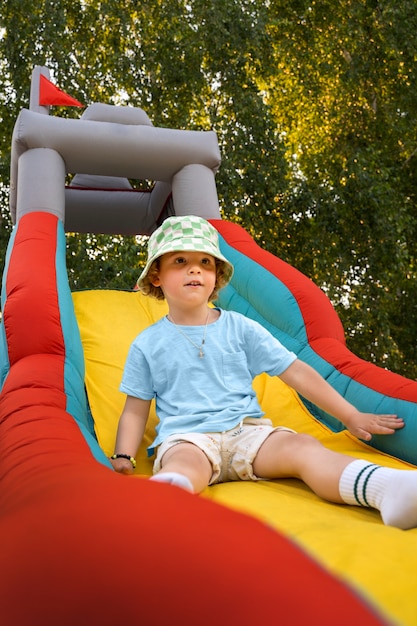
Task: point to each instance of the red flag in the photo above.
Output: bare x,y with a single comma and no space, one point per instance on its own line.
49,94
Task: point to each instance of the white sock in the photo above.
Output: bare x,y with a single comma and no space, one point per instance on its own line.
174,478
393,492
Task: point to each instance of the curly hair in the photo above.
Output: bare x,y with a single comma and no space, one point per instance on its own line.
148,289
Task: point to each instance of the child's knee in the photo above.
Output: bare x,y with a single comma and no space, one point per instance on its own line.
302,440
187,454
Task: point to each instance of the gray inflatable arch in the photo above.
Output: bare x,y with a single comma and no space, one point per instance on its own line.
102,150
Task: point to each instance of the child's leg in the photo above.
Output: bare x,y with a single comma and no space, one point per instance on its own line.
292,455
340,478
185,465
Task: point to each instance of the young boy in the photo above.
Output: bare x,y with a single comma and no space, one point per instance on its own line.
198,363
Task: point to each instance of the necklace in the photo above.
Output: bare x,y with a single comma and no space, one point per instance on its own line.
199,347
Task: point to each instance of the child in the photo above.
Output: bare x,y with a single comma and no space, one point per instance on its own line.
198,362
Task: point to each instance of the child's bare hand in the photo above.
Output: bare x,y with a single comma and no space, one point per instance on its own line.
364,425
123,466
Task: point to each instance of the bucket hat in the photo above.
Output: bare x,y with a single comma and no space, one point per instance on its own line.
184,233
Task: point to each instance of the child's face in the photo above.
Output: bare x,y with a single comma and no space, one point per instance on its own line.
186,277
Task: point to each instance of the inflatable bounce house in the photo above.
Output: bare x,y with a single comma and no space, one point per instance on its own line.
84,545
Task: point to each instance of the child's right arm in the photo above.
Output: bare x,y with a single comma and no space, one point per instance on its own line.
130,432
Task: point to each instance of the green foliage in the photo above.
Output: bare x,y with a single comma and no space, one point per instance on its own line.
314,104
344,96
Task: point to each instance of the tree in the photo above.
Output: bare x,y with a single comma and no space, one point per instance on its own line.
341,84
313,103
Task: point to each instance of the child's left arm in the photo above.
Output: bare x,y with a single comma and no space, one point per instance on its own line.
309,384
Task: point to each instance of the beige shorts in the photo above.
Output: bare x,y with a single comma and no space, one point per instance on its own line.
230,453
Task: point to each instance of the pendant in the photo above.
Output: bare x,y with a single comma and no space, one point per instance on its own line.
201,353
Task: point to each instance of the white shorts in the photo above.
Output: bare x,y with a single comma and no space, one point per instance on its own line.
230,453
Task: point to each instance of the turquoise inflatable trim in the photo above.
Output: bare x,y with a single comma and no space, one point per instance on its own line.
259,294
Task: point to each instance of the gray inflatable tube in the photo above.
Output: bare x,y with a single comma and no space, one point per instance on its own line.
101,152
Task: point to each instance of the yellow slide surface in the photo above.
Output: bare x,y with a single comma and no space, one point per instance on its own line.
352,542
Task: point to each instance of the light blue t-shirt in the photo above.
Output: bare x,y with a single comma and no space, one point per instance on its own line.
209,394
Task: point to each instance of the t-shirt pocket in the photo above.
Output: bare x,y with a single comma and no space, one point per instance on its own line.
236,374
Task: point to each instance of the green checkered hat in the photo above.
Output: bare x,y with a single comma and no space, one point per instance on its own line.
184,234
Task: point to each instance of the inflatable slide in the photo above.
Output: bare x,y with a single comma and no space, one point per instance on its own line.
84,545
